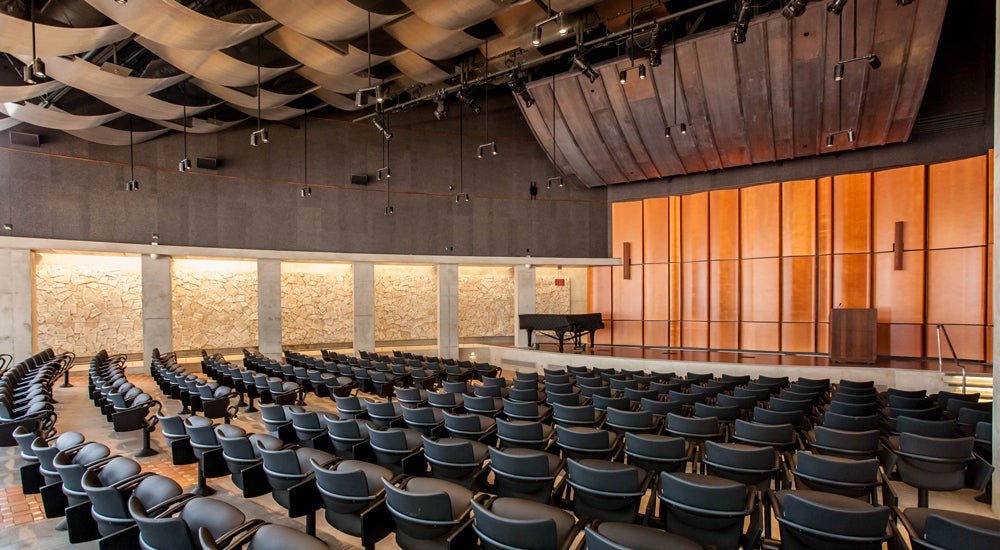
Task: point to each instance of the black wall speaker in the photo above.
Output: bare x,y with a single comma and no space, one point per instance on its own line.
359,179
25,139
206,163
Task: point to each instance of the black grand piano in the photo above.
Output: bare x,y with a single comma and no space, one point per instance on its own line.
562,327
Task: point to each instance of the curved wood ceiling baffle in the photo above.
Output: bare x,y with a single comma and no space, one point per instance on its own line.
769,99
200,126
152,108
15,37
567,156
84,75
319,56
171,23
8,123
342,84
429,41
112,136
212,65
418,68
10,94
55,118
336,100
268,99
277,113
333,20
452,15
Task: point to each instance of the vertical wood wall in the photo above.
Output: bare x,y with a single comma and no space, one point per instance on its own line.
759,268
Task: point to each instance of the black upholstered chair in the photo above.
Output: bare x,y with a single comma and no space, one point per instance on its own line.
579,442
525,473
246,467
398,449
605,490
293,484
933,529
461,461
810,519
933,464
503,523
658,453
471,426
710,510
354,499
609,535
258,535
176,527
523,433
430,513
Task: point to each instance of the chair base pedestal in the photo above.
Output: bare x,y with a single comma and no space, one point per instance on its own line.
147,448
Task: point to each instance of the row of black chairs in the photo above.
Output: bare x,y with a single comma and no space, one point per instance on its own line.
196,393
26,393
124,404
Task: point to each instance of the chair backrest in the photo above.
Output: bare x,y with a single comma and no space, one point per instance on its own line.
623,421
754,433
842,476
928,428
513,523
656,452
427,500
743,463
946,531
846,444
810,519
524,473
605,490
707,509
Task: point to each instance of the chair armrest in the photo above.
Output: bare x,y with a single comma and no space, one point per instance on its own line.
889,497
131,482
236,537
170,507
574,533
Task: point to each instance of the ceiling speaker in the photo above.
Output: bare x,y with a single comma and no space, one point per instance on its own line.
206,163
359,179
25,139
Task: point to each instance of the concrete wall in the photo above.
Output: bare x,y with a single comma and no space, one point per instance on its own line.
73,189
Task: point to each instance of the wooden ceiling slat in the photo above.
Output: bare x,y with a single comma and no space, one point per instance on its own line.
649,148
576,116
683,145
699,125
893,28
596,96
923,44
717,60
779,63
808,72
568,157
755,95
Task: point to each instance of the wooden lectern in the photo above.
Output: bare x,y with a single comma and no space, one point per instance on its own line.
853,335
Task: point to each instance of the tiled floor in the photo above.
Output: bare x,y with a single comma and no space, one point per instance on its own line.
23,525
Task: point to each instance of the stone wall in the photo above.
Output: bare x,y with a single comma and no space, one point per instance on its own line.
214,304
317,303
550,298
405,302
485,301
85,303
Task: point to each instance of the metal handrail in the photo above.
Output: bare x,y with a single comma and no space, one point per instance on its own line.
940,329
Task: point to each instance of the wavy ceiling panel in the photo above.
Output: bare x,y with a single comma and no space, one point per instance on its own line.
171,23
199,126
86,76
344,84
213,66
319,56
278,113
55,118
21,93
452,15
8,123
153,108
111,136
268,100
431,41
15,37
418,68
334,20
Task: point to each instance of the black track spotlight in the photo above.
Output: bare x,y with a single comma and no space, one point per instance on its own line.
666,132
466,99
874,61
829,140
258,137
536,36
184,165
836,7
467,199
305,192
794,8
655,57
642,72
562,24
622,76
441,110
582,65
132,185
838,72
903,2
684,129
518,87
380,126
533,191
744,12
491,147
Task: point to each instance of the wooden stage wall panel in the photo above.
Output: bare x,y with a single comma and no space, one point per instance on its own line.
761,267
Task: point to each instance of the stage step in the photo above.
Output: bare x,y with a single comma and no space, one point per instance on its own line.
978,383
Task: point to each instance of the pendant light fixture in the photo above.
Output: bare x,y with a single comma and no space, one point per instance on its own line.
461,158
838,77
305,191
490,146
386,172
34,72
556,178
185,164
133,184
683,126
260,135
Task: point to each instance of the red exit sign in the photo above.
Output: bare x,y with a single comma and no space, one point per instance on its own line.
560,282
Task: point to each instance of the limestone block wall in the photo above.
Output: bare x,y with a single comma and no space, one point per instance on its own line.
214,303
405,302
317,303
550,298
85,303
485,301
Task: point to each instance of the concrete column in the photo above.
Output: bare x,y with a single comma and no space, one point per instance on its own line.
364,306
447,310
996,265
269,308
157,321
16,274
524,300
